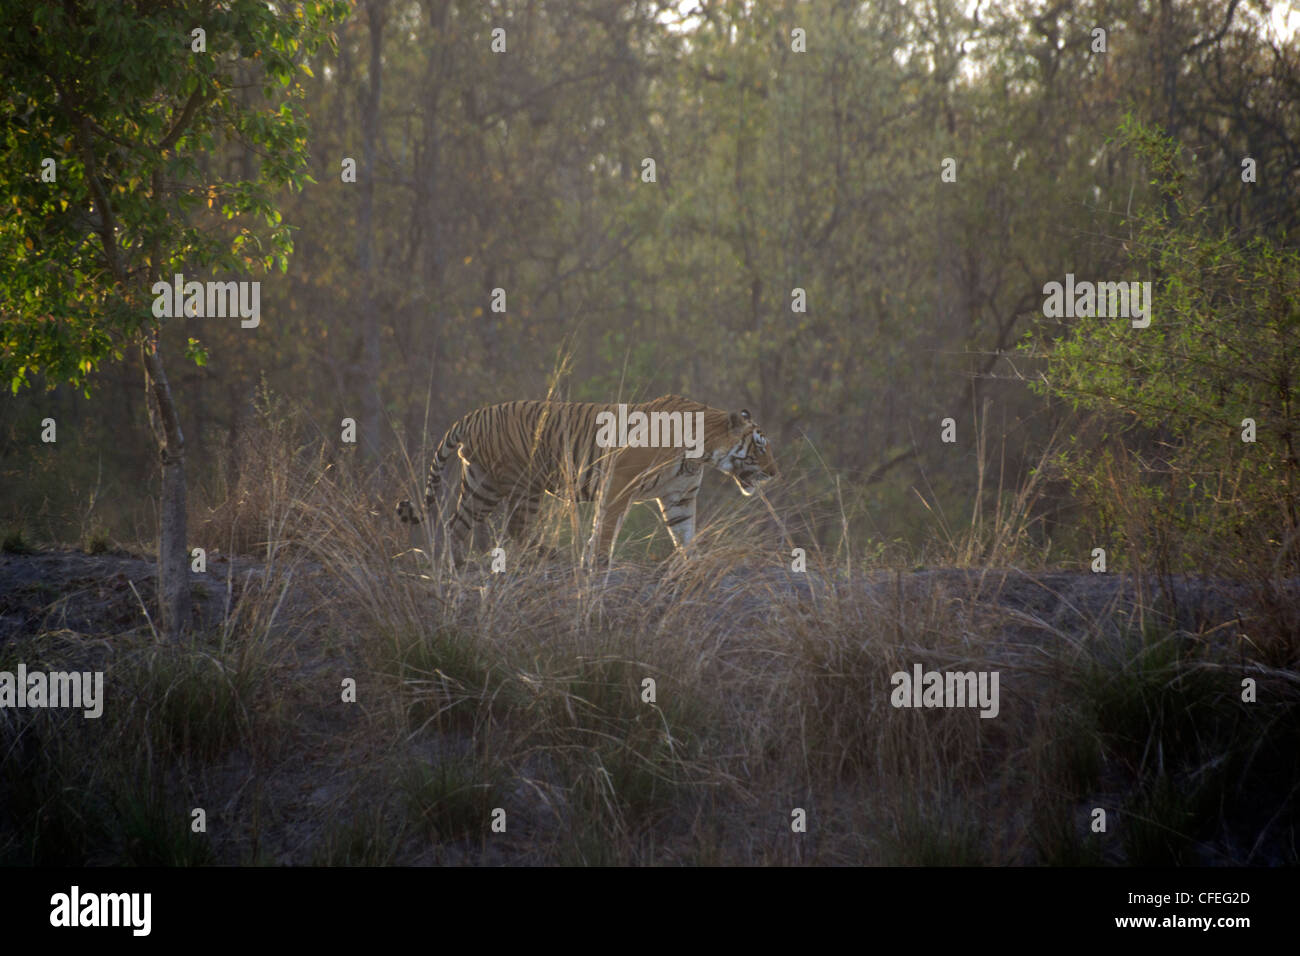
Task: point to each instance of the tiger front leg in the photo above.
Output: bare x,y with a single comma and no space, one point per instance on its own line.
678,511
605,528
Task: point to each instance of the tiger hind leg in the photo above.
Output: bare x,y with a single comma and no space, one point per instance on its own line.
522,527
479,497
522,515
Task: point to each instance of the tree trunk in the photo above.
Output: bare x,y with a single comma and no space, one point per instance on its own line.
173,558
370,426
164,419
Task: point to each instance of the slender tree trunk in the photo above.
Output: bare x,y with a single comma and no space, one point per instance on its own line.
173,565
428,197
370,412
173,558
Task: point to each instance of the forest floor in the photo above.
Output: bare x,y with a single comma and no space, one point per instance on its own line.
105,594
411,771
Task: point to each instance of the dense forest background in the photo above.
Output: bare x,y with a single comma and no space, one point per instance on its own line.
1112,156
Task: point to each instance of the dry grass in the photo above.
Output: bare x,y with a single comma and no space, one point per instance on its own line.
526,692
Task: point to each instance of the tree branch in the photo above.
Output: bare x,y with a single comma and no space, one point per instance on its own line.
1215,37
187,116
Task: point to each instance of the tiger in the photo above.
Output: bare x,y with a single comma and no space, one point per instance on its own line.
518,451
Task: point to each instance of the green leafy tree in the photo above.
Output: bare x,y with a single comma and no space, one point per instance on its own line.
1206,397
110,113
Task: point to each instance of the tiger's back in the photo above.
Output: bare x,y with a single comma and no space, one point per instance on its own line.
535,446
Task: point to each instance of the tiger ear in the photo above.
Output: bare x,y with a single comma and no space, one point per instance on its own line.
736,419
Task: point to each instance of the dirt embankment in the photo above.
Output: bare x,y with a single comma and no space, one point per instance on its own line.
524,691
104,594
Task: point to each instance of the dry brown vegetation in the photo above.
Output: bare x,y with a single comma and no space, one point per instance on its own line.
523,691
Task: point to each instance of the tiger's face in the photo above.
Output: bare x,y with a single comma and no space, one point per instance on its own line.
748,459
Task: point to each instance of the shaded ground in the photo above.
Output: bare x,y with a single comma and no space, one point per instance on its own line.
91,604
105,594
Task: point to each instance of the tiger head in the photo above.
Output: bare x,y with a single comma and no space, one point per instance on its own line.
748,456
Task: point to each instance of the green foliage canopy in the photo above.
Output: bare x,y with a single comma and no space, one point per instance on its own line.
128,110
